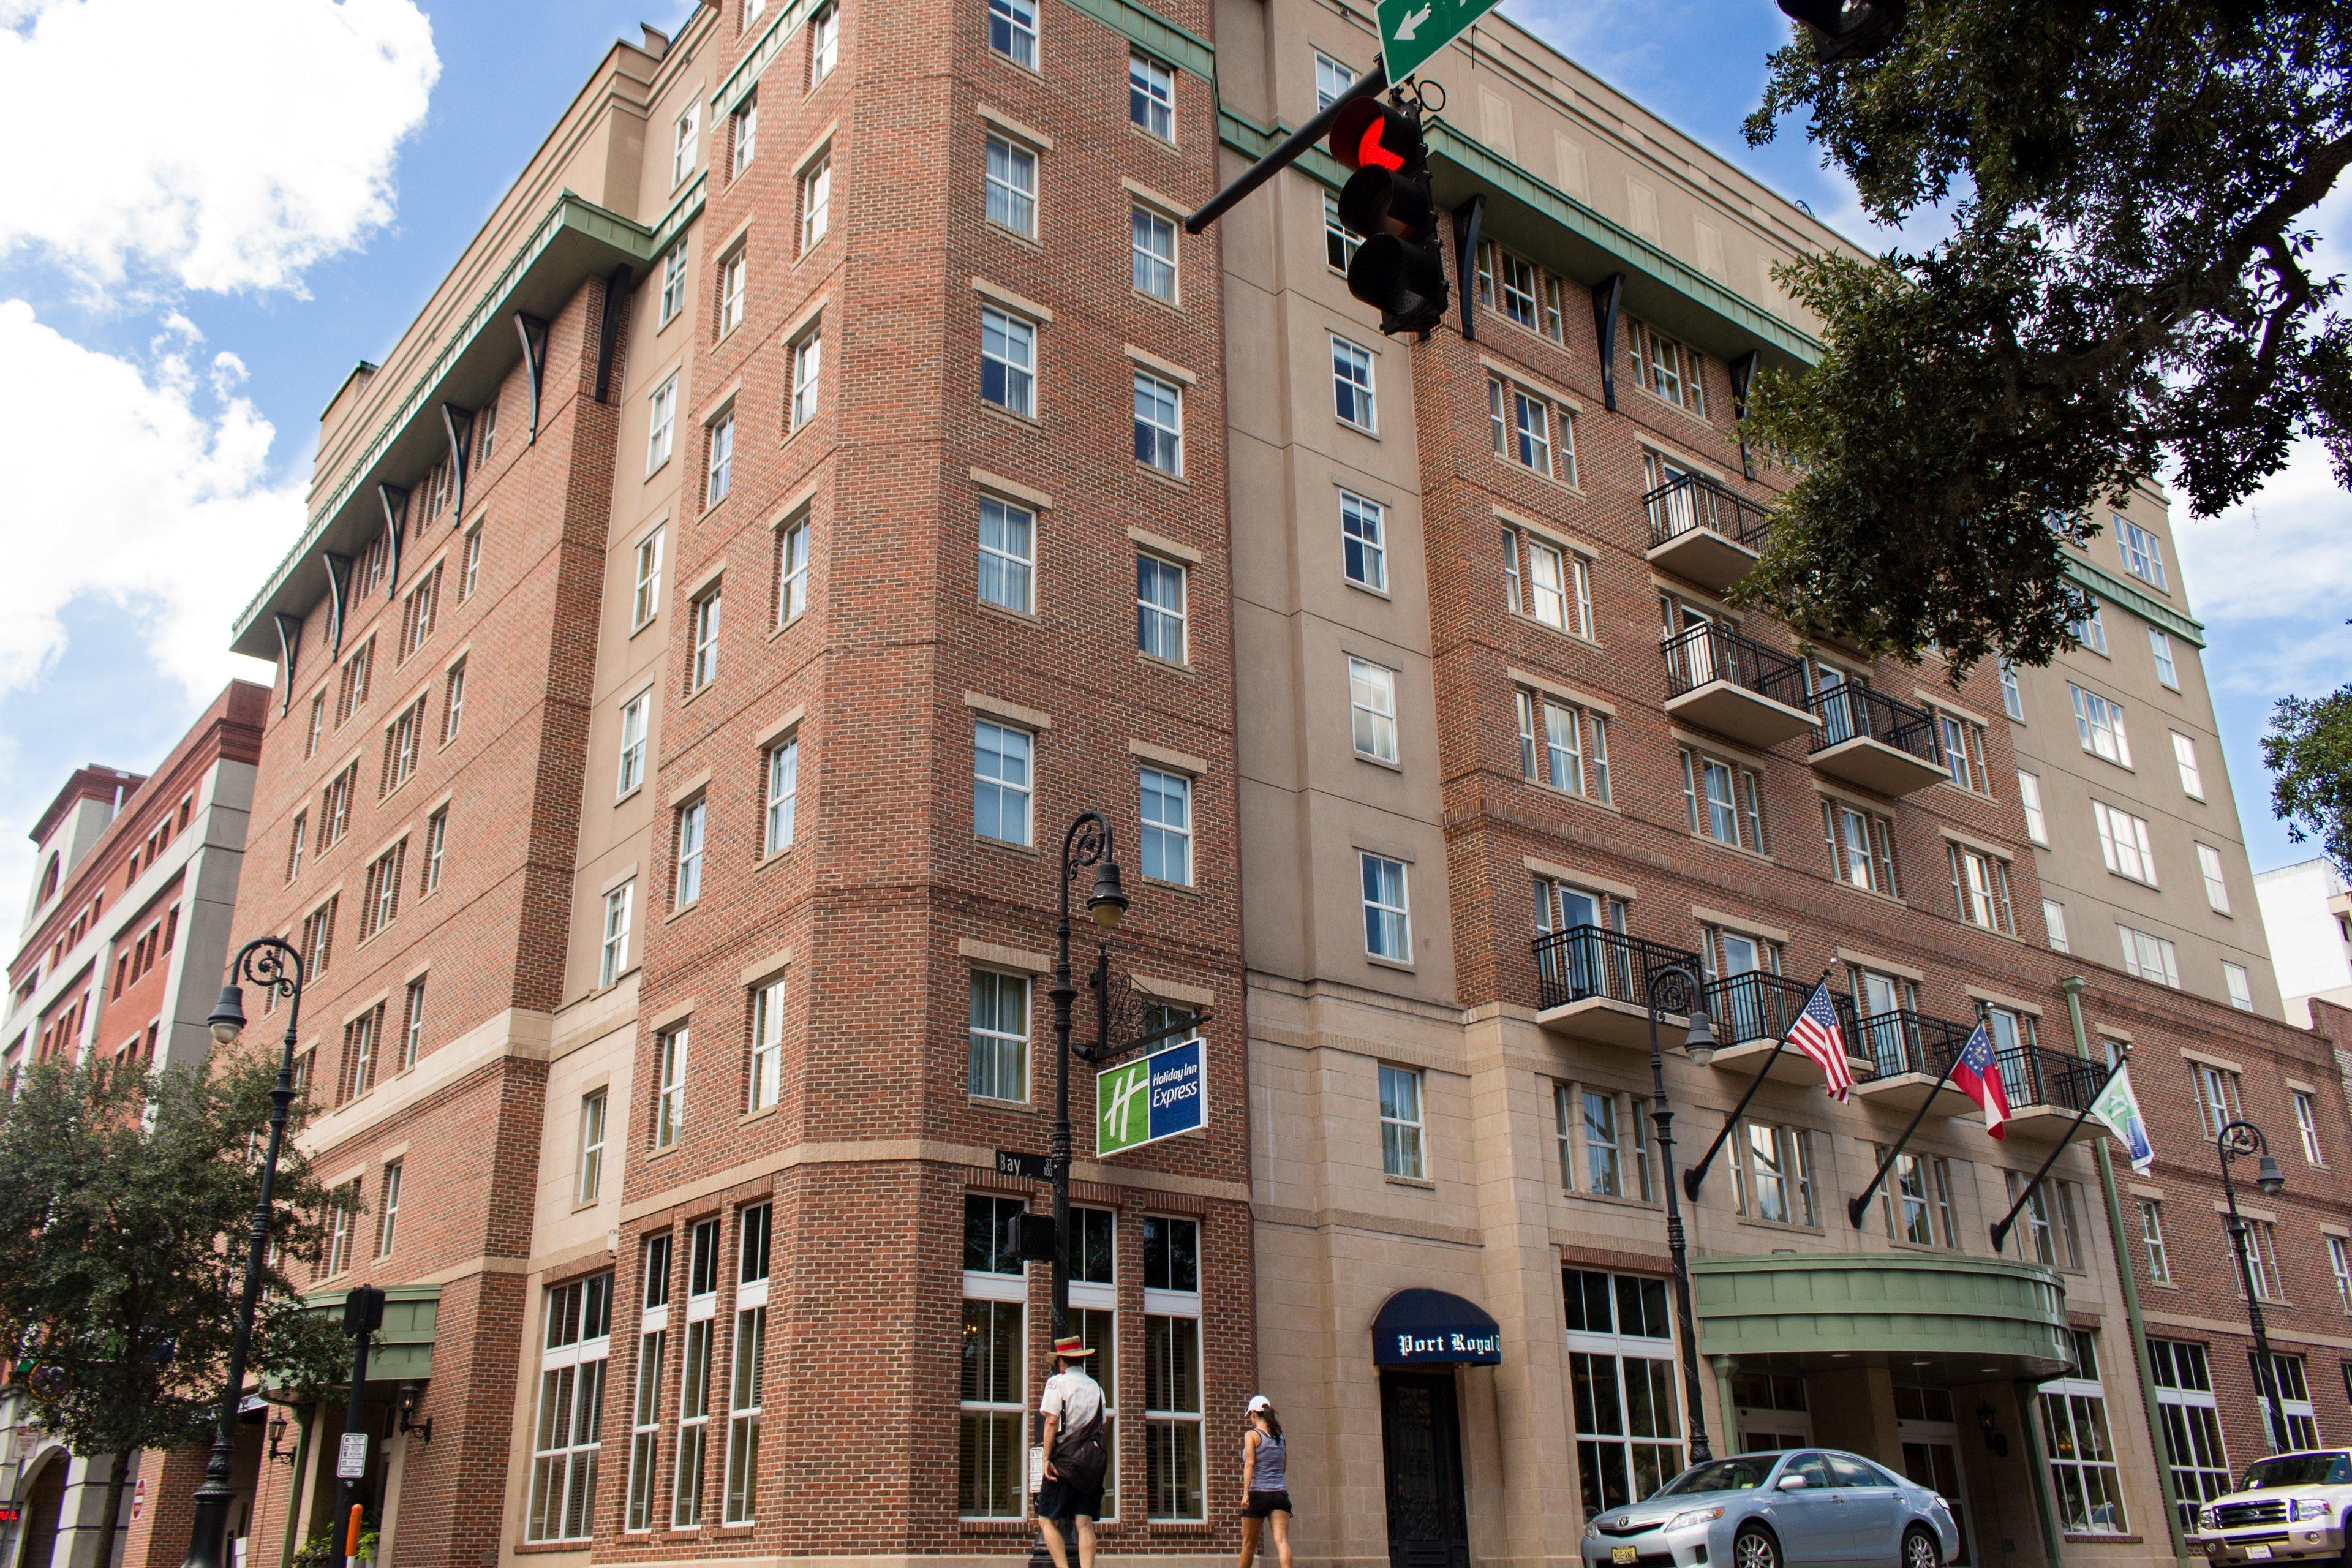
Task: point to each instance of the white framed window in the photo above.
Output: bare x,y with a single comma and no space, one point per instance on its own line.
792,571
1339,242
342,1213
612,951
1522,426
1152,245
997,1054
1151,95
2159,648
2191,1418
2217,885
1008,362
469,573
825,42
1604,1154
2299,1422
693,1376
1722,801
2143,552
733,273
662,430
645,1402
1094,1318
2083,1474
1010,173
2053,921
784,789
453,701
2151,1241
720,476
1008,554
387,1208
2237,982
1162,621
685,877
808,369
686,147
1371,706
669,1085
647,600
744,124
1401,1151
1332,80
2306,1125
746,1356
1563,746
1627,1413
1363,531
2013,702
1980,888
702,658
1916,1201
1388,918
1000,781
2099,724
764,1078
989,1457
1774,1173
1667,370
1175,1469
2149,957
1351,385
1167,825
575,1342
588,1175
2029,797
2123,843
1159,424
437,839
633,744
412,1030
2339,1265
817,201
2184,755
2091,630
1558,585
1012,33
672,284
2218,1101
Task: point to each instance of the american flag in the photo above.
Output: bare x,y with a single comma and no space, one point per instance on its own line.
1816,1034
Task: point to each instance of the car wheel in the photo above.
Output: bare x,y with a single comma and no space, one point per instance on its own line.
1754,1547
1919,1550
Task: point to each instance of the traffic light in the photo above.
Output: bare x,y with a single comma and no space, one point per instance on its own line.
1400,268
1848,29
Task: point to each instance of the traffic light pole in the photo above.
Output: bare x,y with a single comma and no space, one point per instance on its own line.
1370,84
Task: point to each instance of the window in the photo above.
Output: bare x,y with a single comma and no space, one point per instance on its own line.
2143,553
2091,630
2082,1462
1964,754
1388,920
1008,363
808,370
1773,1174
2191,1420
2160,646
2013,702
1001,786
417,610
1723,802
1916,1201
1980,888
380,906
1622,1386
791,571
1351,385
317,725
1340,241
2029,797
1093,1302
783,771
588,1180
399,740
612,951
1332,80
1401,1122
687,146
1523,293
1174,1469
352,692
1007,554
2241,989
719,474
1604,1172
1159,424
2217,886
673,285
2053,919
825,42
685,875
988,1467
2306,1123
1010,175
663,425
1522,426
732,275
1558,586
1152,240
764,1082
387,1210
2299,1424
1012,33
2340,1264
693,1376
1363,530
745,124
2149,957
817,201
318,943
1666,369
644,1404
648,590
2100,725
2151,1241
1159,614
437,839
2124,843
343,1211
2184,753
1571,753
1167,831
669,1085
2218,1101
294,845
998,1053
1152,97
749,1350
633,744
453,701
702,663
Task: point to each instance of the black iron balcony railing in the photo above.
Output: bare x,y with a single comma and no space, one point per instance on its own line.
1707,651
2035,1075
1903,1041
1585,962
1851,712
1692,500
1759,1006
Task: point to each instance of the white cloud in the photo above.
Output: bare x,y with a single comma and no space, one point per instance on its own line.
139,485
227,144
2286,553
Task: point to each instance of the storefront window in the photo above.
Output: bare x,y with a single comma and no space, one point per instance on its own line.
1621,1373
2192,1425
2082,1459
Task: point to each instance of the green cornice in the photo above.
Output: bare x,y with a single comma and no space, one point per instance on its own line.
2116,591
1809,1307
746,74
1153,33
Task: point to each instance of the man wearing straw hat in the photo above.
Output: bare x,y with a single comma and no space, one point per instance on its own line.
1075,1456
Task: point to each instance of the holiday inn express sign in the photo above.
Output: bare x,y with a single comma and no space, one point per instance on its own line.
1151,1098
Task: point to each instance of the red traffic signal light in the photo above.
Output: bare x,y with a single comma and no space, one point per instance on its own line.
1370,134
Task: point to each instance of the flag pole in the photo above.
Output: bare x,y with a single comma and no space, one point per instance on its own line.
1857,1206
1696,1177
2000,1230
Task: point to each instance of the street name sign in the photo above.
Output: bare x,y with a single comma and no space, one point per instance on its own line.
1027,1167
1412,31
1151,1098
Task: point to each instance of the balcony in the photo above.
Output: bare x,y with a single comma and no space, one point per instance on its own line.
1752,1011
1736,686
2047,1089
1906,1053
1592,985
1870,738
1704,533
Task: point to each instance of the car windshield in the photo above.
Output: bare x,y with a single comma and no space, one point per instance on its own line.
2298,1470
1736,1475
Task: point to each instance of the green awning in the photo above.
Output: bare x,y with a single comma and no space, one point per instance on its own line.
1954,1319
403,1352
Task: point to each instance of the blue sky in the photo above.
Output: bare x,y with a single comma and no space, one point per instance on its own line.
205,282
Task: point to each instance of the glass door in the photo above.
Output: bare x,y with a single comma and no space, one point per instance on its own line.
1931,1454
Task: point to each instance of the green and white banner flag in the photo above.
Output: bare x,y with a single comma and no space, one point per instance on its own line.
2119,1107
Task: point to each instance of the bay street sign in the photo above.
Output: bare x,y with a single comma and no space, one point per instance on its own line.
1412,31
1151,1098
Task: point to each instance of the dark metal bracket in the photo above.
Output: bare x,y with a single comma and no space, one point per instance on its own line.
533,333
1607,295
1465,261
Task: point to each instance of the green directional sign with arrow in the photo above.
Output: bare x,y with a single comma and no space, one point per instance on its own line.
1413,30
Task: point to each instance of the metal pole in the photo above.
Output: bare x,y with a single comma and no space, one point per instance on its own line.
354,1416
1694,1397
1696,1174
271,962
2230,1141
1858,1206
2001,1231
1288,152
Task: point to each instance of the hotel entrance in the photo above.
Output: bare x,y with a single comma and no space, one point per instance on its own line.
1419,1338
1931,1454
1769,1415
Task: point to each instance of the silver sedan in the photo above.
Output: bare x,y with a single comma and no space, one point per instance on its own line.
1795,1509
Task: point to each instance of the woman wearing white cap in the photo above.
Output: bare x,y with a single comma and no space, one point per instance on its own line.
1265,1486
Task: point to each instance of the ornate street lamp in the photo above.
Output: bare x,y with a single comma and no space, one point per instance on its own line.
2239,1138
1671,988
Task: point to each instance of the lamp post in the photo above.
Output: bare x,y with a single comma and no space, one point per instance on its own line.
1670,987
2242,1137
1087,843
270,962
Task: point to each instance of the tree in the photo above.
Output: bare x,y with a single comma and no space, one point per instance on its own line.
2127,277
126,1206
2309,753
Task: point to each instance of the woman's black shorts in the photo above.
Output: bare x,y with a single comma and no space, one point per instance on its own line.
1261,1504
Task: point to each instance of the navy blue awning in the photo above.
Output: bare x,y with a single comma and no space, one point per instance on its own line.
1432,1328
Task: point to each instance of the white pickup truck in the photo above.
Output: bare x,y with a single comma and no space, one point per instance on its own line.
2291,1508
